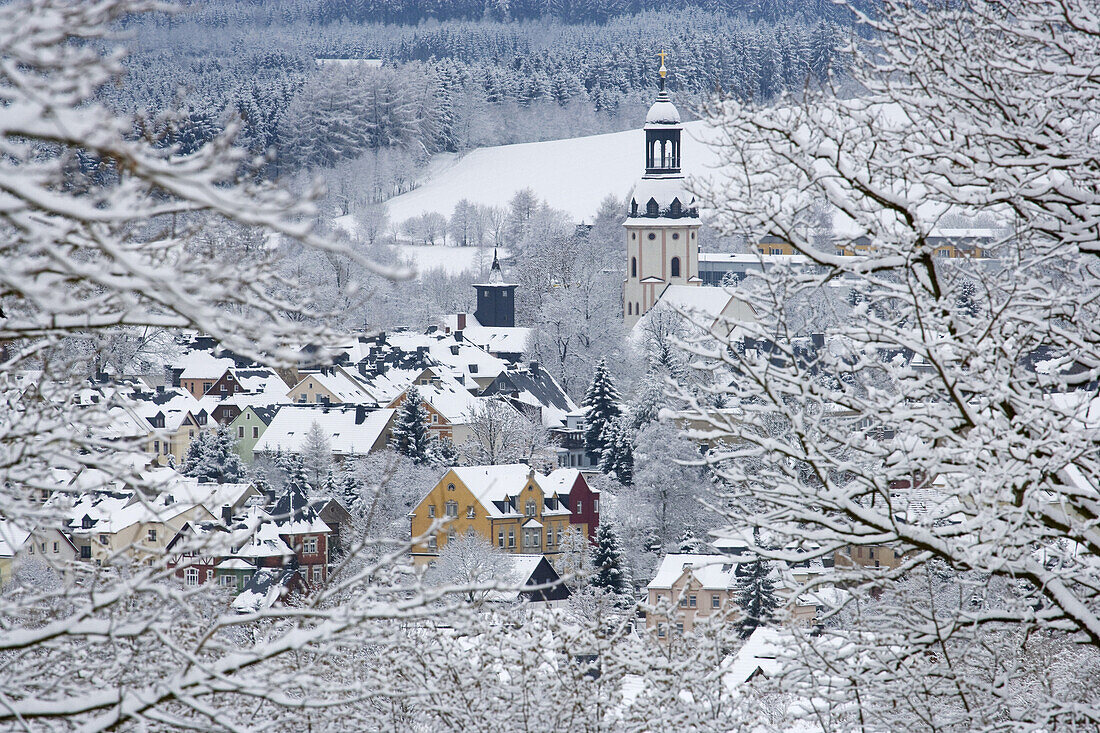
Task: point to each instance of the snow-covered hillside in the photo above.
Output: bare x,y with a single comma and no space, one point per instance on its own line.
572,175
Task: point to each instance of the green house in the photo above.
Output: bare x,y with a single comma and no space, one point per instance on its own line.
249,426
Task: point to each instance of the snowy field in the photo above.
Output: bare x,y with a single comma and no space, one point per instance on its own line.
572,175
452,260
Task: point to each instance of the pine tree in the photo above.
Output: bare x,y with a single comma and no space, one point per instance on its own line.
756,595
212,457
618,454
608,562
410,430
602,399
444,453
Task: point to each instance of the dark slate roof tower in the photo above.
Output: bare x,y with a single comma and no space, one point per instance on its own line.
496,299
662,226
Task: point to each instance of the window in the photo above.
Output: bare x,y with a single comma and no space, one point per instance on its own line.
652,236
661,630
511,538
223,388
432,543
85,551
675,235
156,446
309,546
715,600
691,601
452,508
152,535
431,511
470,513
580,506
229,581
676,267
675,208
55,547
191,576
529,510
532,538
629,308
450,534
500,538
43,547
318,574
435,419
634,267
680,627
776,251
596,506
103,539
302,398
166,447
206,387
240,431
255,431
450,487
683,602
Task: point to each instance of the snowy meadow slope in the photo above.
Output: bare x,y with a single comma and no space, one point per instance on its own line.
572,175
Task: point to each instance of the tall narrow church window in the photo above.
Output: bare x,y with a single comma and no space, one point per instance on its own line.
676,267
634,267
629,308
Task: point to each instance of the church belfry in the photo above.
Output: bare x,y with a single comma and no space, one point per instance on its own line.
496,299
662,225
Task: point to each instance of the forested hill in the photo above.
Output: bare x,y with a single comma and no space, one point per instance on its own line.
457,83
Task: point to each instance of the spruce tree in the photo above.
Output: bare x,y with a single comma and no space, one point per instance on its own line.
608,562
410,429
212,457
755,595
618,454
602,399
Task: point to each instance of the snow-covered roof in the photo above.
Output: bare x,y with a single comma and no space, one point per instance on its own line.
664,190
491,484
234,563
176,404
761,654
714,572
203,365
342,386
265,589
12,538
449,398
663,112
350,430
560,481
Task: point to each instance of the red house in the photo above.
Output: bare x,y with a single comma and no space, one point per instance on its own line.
583,502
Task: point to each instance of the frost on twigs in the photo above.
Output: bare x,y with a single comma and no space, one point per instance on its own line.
933,433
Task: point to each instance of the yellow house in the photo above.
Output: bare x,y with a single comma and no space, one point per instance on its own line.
48,545
330,386
507,505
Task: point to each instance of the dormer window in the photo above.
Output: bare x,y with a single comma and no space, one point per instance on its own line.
676,208
633,207
652,208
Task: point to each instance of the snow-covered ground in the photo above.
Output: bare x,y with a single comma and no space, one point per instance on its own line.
572,175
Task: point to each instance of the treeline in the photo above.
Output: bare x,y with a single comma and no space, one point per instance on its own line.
444,87
231,13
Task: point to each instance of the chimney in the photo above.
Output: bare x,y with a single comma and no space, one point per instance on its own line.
360,414
227,515
461,322
534,367
458,335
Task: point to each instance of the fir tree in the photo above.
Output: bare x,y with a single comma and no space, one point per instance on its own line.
602,399
755,595
444,453
618,454
410,430
316,455
212,457
608,562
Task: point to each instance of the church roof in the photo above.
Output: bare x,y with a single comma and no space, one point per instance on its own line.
496,274
663,112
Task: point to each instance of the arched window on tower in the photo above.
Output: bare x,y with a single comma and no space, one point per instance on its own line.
629,308
676,267
651,208
634,267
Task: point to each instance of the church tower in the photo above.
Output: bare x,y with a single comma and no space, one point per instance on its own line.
662,226
496,299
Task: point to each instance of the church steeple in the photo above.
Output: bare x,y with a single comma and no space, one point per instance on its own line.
496,299
663,222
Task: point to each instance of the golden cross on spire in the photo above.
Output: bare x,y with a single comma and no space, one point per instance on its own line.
663,71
